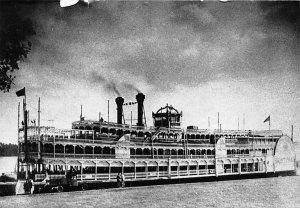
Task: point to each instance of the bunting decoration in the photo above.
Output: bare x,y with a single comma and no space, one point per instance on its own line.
130,103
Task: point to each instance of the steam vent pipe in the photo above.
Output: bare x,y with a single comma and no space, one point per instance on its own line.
140,97
119,102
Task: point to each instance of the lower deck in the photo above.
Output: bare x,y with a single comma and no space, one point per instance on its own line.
150,169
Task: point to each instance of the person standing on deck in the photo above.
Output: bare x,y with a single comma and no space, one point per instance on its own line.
119,178
123,180
31,185
26,187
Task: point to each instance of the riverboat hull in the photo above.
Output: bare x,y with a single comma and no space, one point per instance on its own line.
95,152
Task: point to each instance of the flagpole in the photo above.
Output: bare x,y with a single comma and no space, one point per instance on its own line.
292,132
130,119
218,122
25,136
19,93
107,111
39,134
270,127
18,168
99,123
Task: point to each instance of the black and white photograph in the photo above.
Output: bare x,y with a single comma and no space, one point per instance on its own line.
154,103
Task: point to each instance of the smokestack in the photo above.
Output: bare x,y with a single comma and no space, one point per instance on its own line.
140,97
119,102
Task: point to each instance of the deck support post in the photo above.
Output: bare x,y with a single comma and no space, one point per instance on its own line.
169,168
134,170
239,166
96,170
146,170
216,167
81,171
54,147
109,170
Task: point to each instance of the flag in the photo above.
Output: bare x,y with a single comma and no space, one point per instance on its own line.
66,3
267,119
21,92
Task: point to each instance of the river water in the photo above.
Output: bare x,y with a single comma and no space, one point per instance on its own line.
8,164
281,192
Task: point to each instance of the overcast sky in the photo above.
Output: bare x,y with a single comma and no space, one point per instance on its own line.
202,58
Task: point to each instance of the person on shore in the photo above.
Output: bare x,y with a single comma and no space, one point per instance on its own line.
31,186
123,180
119,178
26,187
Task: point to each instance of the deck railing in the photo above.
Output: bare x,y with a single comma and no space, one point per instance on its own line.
150,174
113,156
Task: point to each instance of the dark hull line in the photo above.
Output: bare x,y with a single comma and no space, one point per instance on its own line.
206,179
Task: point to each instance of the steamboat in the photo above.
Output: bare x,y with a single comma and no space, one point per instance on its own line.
95,152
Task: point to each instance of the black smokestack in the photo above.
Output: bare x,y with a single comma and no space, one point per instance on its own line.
140,97
119,102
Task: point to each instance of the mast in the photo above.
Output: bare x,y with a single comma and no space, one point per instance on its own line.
25,136
130,119
99,122
218,121
39,134
19,93
184,143
18,164
108,111
81,112
292,133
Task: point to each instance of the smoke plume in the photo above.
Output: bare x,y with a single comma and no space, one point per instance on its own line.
107,84
131,87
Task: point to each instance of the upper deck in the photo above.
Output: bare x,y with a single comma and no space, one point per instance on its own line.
99,138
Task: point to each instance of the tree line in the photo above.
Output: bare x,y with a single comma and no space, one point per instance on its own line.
8,149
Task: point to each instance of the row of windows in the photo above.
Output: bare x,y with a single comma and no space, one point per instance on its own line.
70,149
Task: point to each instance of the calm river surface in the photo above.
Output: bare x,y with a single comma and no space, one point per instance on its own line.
266,192
8,164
